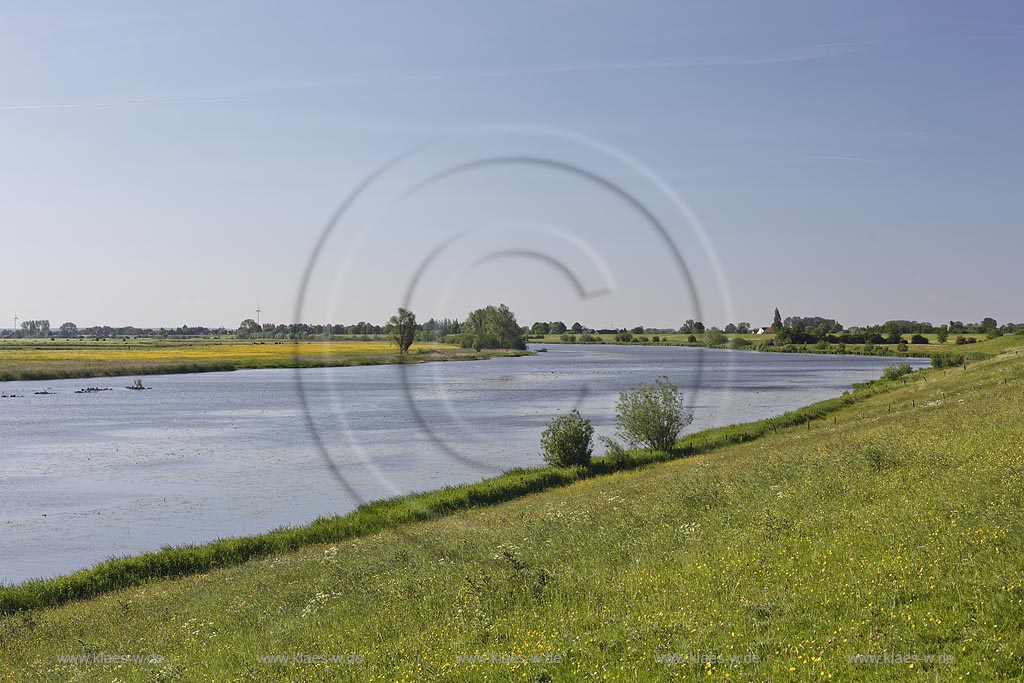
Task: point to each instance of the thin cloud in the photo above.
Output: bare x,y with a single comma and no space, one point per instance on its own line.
244,90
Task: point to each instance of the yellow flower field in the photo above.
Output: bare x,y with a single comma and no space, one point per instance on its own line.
45,359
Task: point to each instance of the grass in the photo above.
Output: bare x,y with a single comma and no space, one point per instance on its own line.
63,359
884,524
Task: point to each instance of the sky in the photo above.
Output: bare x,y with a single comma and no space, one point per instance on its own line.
608,162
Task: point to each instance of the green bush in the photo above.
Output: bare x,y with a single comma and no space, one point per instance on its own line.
894,372
947,360
739,343
614,453
714,337
652,415
919,339
567,441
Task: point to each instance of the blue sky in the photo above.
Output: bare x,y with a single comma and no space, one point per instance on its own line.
167,165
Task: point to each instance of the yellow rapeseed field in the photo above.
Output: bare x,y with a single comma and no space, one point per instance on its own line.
43,359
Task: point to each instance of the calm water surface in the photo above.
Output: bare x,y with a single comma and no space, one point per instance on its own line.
84,477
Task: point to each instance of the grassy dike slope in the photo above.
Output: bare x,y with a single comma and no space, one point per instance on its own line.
895,532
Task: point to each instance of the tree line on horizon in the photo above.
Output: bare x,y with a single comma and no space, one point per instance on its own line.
491,325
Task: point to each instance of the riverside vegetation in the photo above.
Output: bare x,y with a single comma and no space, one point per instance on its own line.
873,537
950,344
62,359
33,354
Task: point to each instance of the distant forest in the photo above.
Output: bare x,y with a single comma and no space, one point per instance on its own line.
791,330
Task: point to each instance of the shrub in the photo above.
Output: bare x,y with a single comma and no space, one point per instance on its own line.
919,339
692,339
952,360
714,337
614,452
567,441
656,338
894,372
739,343
652,415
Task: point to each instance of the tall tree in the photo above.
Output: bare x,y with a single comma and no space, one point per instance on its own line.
777,321
248,328
492,328
402,328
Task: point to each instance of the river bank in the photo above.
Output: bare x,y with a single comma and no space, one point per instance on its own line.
42,359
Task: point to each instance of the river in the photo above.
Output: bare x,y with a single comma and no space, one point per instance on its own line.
88,476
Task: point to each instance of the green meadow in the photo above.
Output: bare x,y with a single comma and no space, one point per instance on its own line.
876,537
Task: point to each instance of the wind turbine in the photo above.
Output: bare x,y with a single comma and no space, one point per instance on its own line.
258,311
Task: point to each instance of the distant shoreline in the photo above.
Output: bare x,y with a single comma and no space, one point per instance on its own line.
35,361
972,352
